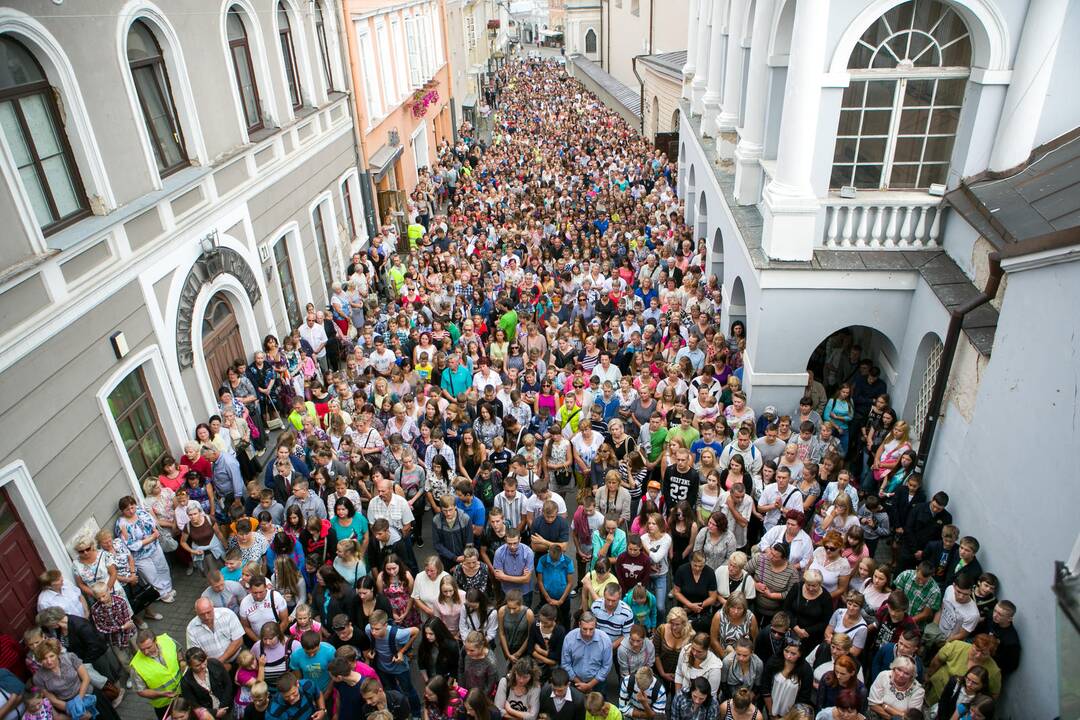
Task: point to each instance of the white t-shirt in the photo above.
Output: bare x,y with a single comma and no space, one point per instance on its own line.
382,361
955,615
535,505
259,612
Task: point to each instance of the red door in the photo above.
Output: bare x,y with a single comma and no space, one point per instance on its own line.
20,567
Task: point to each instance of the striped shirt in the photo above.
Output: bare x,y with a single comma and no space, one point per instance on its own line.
616,624
629,700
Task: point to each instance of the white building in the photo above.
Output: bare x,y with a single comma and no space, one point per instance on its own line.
817,139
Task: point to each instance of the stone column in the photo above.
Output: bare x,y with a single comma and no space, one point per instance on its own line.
711,100
701,77
748,173
790,206
733,75
1026,96
690,68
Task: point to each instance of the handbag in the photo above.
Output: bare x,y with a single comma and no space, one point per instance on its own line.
168,542
141,595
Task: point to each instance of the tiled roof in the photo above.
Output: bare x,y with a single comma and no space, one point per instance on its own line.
628,97
670,63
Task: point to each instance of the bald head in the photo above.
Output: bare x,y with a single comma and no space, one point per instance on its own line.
205,610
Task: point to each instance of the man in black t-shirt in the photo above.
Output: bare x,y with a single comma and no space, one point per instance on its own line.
681,481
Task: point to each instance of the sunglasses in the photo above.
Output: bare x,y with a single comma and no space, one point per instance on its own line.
831,548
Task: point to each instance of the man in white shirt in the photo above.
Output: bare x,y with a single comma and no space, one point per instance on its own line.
743,446
314,335
382,358
606,371
778,497
216,630
395,508
737,505
541,494
959,614
262,605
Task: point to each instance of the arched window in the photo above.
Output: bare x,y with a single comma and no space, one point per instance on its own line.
900,112
244,70
324,46
30,121
288,56
155,98
590,41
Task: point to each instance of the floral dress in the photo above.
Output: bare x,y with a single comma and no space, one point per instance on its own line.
398,597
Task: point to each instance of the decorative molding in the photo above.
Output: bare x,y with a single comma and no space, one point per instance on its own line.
209,266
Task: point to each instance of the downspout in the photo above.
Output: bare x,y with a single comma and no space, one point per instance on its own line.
641,90
367,194
601,48
652,14
948,355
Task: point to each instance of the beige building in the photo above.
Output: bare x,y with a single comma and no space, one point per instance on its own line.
478,35
661,77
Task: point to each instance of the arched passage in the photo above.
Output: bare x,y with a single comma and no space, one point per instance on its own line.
654,116
691,187
675,121
701,227
736,308
715,265
835,359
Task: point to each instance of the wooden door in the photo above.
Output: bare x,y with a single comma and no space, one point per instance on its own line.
222,344
20,566
669,143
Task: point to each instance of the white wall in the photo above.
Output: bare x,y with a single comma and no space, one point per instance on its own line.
1006,471
1062,110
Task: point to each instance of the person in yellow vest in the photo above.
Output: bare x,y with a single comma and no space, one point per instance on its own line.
156,670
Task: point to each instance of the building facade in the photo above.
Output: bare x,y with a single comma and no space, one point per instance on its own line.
171,195
825,151
478,38
398,58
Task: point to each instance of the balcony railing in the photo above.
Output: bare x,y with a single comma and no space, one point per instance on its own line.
883,221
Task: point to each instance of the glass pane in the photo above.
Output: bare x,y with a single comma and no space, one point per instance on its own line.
149,81
957,54
943,122
897,46
128,434
933,173
868,176
235,26
841,176
282,17
849,123
917,44
950,92
876,122
871,150
138,463
36,192
152,447
938,149
908,150
860,57
913,122
919,93
141,43
125,393
39,121
58,175
17,65
853,94
901,16
247,85
884,58
880,93
845,150
904,176
142,417
290,68
20,152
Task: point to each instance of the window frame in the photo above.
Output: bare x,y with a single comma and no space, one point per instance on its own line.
347,206
288,56
159,72
290,281
318,229
373,100
119,418
45,89
324,46
244,43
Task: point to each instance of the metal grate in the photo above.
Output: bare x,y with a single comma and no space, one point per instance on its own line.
926,389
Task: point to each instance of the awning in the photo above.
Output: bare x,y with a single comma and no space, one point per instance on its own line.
383,160
470,100
550,33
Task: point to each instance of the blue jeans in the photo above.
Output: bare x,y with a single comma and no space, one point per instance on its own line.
402,682
660,590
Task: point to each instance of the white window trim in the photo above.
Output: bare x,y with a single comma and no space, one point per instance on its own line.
245,318
421,129
15,478
329,220
374,107
298,35
267,95
330,27
386,69
290,235
165,405
352,177
401,72
182,96
84,147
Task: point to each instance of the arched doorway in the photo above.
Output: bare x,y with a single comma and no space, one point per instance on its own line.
923,377
701,229
654,121
736,309
836,359
590,42
675,121
691,186
222,343
716,256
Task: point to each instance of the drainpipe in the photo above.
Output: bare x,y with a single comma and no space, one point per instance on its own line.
651,16
641,89
601,38
948,355
367,193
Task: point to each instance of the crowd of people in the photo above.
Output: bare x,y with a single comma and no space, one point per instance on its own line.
536,366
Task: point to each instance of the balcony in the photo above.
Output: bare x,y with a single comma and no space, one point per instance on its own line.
882,221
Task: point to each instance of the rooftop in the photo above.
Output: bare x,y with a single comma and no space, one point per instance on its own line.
628,97
670,63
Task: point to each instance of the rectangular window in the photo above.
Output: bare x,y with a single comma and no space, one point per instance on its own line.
288,283
428,45
416,69
400,71
321,248
372,98
135,417
386,70
346,202
159,112
436,24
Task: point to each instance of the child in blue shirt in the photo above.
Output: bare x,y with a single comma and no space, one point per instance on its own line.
643,604
554,570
